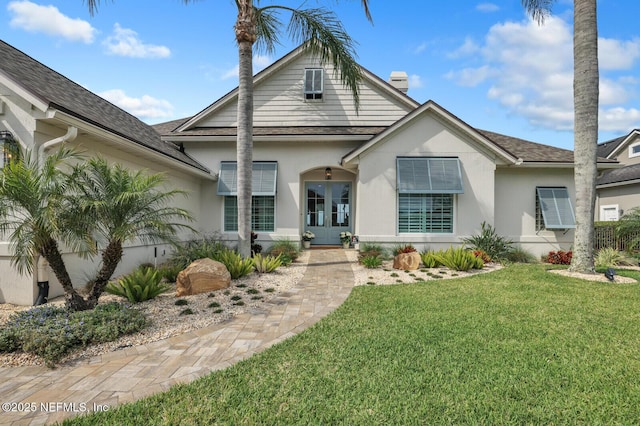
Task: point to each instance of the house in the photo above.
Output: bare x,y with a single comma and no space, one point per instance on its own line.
618,190
392,172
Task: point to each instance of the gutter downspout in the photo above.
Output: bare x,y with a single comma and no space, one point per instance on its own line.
72,133
42,266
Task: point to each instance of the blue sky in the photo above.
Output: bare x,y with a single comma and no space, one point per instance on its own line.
485,62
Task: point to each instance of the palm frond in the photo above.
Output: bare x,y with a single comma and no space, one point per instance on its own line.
538,9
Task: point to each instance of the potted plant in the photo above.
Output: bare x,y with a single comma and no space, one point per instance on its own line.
345,239
306,239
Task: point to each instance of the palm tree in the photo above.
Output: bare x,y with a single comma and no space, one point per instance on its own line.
585,98
321,32
123,206
32,206
91,205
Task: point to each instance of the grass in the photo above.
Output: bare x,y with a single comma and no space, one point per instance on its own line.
517,346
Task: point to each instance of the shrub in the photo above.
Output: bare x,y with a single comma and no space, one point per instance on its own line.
371,249
520,255
236,265
560,257
458,259
181,302
51,332
288,250
371,262
207,247
608,257
482,255
429,259
170,272
407,248
140,285
496,246
266,264
255,248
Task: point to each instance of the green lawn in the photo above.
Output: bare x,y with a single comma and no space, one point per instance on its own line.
517,346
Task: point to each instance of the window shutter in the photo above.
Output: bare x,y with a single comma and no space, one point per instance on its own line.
557,211
427,175
264,177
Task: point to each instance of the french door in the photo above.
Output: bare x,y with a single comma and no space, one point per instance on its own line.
328,210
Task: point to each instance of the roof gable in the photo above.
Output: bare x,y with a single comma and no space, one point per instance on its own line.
613,148
59,93
430,107
279,101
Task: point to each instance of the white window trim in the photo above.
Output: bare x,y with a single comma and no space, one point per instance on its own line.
422,234
610,207
315,92
631,153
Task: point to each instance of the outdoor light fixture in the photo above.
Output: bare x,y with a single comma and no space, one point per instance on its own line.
9,147
327,173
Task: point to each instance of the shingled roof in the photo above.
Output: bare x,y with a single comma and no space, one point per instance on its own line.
63,94
606,148
625,174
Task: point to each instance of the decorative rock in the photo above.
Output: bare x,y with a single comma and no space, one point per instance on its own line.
407,261
201,276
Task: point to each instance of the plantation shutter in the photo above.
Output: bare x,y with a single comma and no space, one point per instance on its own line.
556,208
429,175
264,177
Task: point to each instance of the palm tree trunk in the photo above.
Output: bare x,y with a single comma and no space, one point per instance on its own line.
73,300
585,94
245,36
110,259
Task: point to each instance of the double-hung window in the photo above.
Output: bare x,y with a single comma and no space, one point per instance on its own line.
263,195
313,83
554,209
426,191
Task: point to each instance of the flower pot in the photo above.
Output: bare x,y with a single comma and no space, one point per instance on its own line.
345,244
306,244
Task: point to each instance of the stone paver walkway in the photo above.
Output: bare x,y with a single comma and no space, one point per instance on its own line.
42,396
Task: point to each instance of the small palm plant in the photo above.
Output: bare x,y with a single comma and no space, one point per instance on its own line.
140,285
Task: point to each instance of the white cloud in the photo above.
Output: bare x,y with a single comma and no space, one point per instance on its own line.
617,54
48,20
487,7
415,81
530,72
260,62
469,47
146,107
421,48
125,42
471,77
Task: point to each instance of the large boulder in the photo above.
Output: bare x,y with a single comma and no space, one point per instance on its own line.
203,275
407,261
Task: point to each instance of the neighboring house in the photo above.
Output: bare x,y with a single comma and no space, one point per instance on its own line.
392,172
619,189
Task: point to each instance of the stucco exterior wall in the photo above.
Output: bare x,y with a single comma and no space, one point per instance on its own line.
377,195
626,197
298,162
515,201
22,289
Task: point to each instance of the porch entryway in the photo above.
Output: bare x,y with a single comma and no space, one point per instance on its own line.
328,211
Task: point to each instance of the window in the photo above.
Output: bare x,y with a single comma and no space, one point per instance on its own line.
634,150
554,209
426,190
313,83
609,213
262,213
264,176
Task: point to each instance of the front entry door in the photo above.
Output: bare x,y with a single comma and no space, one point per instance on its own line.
328,211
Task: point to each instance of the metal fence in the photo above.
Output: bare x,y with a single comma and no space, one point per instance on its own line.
605,236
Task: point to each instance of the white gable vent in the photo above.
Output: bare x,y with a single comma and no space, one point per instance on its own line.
399,80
